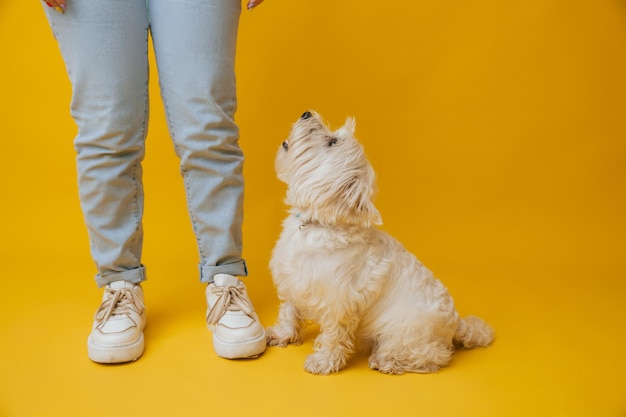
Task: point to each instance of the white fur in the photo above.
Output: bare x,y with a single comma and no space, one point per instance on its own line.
333,267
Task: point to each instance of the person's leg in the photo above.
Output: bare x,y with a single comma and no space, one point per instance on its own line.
194,42
104,46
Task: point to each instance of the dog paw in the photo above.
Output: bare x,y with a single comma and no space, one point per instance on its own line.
393,366
321,364
386,367
274,337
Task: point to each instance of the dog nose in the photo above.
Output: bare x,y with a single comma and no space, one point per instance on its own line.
306,115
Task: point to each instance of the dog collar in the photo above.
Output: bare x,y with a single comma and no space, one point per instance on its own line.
303,224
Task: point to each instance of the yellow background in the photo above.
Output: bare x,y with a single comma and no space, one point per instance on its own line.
498,132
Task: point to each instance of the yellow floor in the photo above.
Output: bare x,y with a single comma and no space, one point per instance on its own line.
498,132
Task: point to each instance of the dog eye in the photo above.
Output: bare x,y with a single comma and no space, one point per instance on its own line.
285,145
332,141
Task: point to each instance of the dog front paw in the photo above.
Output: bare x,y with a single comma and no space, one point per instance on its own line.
322,364
386,366
275,337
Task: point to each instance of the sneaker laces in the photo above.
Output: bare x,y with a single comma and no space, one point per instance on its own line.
228,299
120,301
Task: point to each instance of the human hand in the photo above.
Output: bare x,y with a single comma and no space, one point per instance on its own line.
60,5
253,3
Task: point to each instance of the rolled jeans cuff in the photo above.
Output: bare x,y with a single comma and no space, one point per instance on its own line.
207,272
136,276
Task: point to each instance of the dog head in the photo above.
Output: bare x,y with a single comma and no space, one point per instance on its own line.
329,178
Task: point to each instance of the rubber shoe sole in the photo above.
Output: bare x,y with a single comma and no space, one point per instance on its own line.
115,354
241,350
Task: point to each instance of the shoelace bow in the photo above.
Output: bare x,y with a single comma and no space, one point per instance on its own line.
118,302
228,299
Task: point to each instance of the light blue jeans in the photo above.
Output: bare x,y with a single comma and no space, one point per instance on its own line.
105,48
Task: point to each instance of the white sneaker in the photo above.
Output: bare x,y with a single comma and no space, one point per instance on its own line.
117,334
237,332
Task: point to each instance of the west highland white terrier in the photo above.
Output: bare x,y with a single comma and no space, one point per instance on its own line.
331,266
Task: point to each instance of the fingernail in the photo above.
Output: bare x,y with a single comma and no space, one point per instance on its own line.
59,9
49,5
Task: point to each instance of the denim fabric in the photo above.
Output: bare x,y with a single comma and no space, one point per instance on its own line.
104,45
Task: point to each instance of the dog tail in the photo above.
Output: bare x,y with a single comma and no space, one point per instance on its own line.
472,332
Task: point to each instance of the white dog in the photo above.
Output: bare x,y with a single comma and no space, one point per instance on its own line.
333,267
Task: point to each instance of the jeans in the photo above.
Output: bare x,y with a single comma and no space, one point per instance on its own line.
104,45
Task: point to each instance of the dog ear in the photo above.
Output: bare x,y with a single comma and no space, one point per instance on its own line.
348,127
358,193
